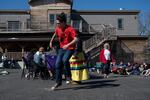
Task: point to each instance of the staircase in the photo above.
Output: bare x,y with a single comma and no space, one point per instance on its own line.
93,45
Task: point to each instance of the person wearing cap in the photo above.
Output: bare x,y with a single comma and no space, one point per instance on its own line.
67,39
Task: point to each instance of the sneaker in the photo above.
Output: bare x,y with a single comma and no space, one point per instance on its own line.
105,76
68,82
27,75
56,86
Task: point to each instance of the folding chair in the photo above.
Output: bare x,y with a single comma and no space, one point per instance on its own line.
99,67
51,60
27,66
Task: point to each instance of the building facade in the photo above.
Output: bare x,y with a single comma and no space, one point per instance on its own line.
15,20
125,21
21,31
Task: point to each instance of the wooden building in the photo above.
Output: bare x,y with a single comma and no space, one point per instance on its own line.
21,31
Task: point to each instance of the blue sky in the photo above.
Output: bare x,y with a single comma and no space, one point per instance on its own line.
142,5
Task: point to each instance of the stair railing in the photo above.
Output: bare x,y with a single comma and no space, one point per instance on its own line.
99,37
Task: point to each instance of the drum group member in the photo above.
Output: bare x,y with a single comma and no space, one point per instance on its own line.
78,64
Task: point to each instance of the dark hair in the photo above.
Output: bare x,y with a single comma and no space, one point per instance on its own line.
62,17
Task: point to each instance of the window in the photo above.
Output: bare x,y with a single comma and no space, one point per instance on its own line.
14,25
68,19
120,23
53,1
85,27
28,24
52,19
76,24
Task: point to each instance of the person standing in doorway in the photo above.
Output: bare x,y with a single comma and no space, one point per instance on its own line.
67,39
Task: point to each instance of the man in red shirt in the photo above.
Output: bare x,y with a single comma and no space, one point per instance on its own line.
67,39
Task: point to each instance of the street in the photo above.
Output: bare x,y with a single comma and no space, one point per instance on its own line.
116,87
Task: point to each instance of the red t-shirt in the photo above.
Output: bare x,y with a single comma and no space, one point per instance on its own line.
66,36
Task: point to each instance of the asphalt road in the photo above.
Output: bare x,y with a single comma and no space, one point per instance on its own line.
115,87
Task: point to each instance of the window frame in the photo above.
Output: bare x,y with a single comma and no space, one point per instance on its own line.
120,23
79,22
13,25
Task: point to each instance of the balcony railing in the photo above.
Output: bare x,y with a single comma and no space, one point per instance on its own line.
43,26
36,26
14,55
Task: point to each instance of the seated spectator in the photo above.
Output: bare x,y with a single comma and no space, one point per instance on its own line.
114,68
5,61
1,56
39,59
12,63
122,68
145,65
122,65
141,68
145,69
129,68
135,70
147,72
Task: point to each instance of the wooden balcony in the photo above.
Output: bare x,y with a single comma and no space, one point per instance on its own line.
43,26
24,27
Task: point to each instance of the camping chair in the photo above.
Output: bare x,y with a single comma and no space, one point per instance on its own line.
99,67
51,60
27,66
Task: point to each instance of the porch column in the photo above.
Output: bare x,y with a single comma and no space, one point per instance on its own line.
80,27
1,49
6,50
22,50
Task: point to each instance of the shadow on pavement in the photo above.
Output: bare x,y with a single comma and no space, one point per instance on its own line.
93,84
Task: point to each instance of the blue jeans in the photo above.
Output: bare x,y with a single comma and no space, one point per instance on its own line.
63,62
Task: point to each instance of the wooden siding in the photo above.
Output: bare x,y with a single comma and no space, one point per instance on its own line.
22,19
138,46
40,13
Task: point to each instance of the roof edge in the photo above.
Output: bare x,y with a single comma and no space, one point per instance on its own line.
107,11
133,37
15,11
30,1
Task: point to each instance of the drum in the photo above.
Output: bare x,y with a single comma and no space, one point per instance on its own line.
78,67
